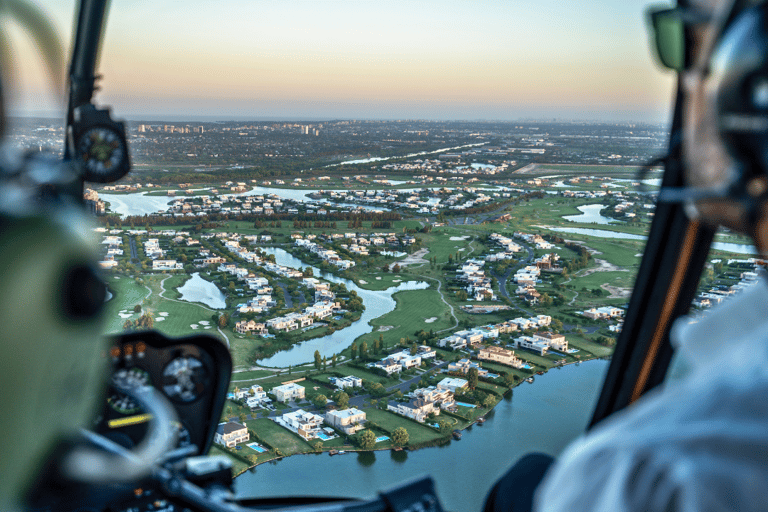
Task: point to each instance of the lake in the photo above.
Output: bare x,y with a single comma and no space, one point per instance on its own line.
590,214
205,292
543,416
377,303
602,233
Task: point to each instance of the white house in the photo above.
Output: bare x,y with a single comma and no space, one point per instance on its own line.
348,421
288,392
230,434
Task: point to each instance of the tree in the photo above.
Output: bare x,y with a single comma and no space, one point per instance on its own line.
489,401
395,268
127,325
253,458
444,425
385,268
318,446
353,350
137,308
146,320
400,437
367,439
414,348
364,350
242,418
325,363
333,361
318,360
472,377
223,320
307,272
231,286
319,401
342,400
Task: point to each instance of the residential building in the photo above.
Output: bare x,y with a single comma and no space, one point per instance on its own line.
417,409
347,382
304,423
500,355
348,421
452,384
288,392
230,434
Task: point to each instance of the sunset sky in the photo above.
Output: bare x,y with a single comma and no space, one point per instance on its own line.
321,59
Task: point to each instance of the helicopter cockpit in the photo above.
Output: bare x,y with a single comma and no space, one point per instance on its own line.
127,424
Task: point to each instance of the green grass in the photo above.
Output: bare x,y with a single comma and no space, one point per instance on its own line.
596,279
390,421
279,437
181,315
413,308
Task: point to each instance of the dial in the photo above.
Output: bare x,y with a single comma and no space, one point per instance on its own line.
103,153
185,379
127,378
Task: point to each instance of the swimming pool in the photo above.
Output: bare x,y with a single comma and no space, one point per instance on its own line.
324,437
256,447
466,405
381,438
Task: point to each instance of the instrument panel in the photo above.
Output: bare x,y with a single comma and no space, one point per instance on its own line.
192,373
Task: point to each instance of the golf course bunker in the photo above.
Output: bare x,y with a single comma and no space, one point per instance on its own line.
430,320
457,238
385,328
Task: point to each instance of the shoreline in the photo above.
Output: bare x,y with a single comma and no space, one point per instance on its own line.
407,448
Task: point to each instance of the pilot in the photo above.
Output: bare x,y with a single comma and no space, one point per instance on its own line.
700,443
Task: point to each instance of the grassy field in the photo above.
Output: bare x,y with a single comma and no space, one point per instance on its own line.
413,309
279,437
181,316
390,421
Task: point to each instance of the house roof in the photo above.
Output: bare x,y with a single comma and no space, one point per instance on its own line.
228,428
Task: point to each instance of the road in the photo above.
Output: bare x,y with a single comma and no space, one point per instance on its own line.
134,252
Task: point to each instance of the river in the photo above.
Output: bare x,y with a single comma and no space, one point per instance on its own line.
543,416
377,303
602,233
410,155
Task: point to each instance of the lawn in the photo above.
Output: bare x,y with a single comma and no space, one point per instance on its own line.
181,316
390,421
413,309
596,279
279,437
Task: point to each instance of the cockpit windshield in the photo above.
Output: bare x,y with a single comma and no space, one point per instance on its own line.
415,226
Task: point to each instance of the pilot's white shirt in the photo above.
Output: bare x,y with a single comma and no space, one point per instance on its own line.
698,444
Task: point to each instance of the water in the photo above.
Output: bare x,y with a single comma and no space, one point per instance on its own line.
543,416
590,214
477,166
141,204
198,289
602,233
394,254
377,303
136,204
410,155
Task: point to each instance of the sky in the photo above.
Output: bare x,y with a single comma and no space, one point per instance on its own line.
365,59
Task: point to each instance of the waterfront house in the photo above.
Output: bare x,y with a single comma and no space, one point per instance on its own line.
230,434
348,421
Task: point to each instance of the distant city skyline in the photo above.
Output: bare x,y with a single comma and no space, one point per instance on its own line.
296,60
